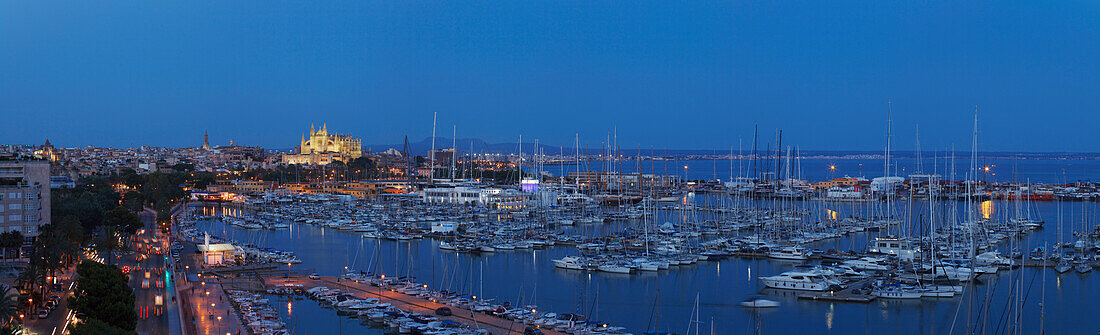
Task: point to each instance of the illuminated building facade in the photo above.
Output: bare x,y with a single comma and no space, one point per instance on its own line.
323,148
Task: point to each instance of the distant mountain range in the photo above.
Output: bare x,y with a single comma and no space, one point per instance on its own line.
480,146
463,145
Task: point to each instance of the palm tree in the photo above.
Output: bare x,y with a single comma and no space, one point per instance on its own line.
9,304
110,240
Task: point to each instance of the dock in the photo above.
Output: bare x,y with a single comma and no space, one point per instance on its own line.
495,325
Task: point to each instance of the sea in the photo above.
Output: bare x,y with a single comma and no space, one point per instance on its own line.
1046,170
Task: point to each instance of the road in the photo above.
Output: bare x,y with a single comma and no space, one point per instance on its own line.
58,318
148,278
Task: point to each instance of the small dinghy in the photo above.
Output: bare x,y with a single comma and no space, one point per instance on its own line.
759,302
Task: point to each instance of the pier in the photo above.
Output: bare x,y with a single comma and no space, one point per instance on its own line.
493,324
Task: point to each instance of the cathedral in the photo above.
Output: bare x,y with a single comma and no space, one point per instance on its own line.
322,148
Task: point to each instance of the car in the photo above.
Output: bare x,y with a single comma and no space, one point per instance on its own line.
43,313
56,298
531,331
443,311
50,304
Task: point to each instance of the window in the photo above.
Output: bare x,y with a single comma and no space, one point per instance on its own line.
30,196
14,217
30,218
15,206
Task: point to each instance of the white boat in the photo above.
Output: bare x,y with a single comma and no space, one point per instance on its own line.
937,292
1063,266
614,268
759,302
902,247
797,281
569,262
898,292
641,264
866,263
793,253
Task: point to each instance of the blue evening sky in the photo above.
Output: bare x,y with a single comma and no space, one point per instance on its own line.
665,74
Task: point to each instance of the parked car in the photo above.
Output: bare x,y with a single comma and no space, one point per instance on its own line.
43,313
443,311
531,331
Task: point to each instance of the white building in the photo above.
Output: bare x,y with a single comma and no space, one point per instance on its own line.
488,197
844,192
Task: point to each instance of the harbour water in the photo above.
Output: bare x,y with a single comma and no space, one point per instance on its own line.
1056,303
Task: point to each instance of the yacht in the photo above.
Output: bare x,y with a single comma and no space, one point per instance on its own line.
797,281
899,246
570,262
866,263
794,253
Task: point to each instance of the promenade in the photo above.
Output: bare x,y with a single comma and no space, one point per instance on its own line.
205,308
495,325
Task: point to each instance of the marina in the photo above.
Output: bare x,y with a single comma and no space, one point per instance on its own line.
859,276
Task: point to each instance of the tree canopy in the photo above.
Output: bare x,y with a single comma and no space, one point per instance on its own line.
104,295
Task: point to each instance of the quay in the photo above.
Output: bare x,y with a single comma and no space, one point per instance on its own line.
495,325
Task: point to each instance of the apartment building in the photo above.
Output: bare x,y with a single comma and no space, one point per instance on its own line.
24,194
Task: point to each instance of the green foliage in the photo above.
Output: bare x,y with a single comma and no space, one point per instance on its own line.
96,327
133,201
130,177
86,207
9,304
11,241
104,296
70,227
184,167
124,220
108,241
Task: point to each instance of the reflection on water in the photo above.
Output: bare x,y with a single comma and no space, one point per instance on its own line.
987,209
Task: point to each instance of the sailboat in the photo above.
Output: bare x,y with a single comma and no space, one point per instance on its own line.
1063,265
900,246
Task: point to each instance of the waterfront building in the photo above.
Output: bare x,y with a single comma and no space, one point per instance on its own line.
844,192
24,194
242,186
324,148
842,182
215,254
489,197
